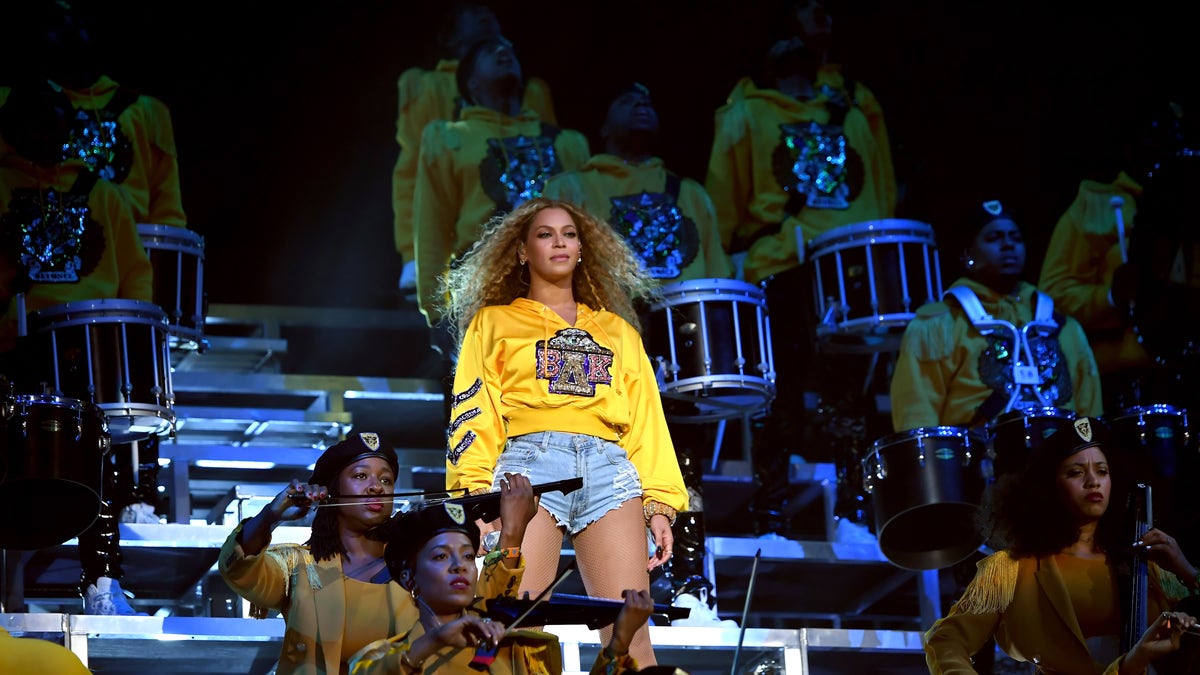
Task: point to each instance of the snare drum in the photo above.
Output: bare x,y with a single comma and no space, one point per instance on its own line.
51,467
1016,434
927,485
112,354
711,341
869,278
177,258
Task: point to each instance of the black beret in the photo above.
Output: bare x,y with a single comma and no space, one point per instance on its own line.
355,447
409,531
1062,440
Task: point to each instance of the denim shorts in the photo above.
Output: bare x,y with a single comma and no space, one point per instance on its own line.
609,478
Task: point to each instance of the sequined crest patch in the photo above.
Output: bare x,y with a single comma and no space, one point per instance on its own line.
573,362
514,170
53,234
816,167
664,238
97,139
996,370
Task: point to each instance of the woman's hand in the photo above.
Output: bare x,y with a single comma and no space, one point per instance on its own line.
518,506
1160,639
664,540
469,630
1164,550
637,610
294,501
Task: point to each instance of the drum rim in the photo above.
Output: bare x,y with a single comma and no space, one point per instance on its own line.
49,399
883,227
1066,414
751,295
710,284
108,307
938,431
1150,409
170,232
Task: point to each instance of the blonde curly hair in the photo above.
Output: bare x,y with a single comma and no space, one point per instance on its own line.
610,277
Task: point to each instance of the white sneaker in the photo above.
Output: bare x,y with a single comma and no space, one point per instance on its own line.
140,512
701,614
106,598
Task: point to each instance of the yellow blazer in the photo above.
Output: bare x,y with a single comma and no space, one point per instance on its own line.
1025,604
311,595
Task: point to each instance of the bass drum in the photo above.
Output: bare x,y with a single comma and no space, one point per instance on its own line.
51,469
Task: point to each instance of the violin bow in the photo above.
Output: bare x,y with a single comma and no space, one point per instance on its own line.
745,612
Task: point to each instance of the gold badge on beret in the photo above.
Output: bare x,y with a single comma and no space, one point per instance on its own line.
370,440
457,513
1083,427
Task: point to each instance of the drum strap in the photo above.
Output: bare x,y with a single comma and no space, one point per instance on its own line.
1025,371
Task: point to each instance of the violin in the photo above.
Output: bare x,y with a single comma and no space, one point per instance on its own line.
484,506
563,608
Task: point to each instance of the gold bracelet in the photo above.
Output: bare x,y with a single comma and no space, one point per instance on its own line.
651,508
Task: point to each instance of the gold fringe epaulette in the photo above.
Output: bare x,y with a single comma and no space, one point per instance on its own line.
992,589
290,558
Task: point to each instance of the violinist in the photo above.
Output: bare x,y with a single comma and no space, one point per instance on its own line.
431,553
1053,595
334,591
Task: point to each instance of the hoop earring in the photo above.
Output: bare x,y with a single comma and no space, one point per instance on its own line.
580,258
522,261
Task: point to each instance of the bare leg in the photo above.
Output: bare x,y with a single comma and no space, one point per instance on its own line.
612,556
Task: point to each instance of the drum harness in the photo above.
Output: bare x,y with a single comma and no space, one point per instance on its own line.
1025,371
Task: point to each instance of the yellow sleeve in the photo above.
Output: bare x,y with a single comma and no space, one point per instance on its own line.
411,117
1073,273
262,579
501,581
477,431
162,170
886,177
381,657
538,99
698,205
136,277
648,440
729,182
566,187
921,379
1085,373
973,619
572,149
435,202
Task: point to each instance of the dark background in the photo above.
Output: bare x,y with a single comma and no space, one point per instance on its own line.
284,112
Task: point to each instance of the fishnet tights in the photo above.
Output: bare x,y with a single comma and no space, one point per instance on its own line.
611,555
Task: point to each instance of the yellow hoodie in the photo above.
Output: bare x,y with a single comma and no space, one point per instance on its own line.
596,380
